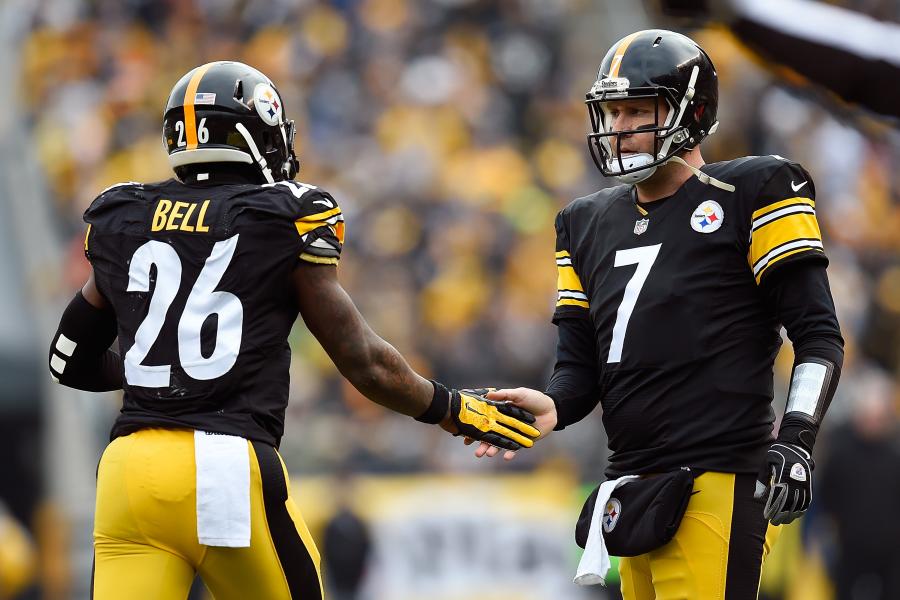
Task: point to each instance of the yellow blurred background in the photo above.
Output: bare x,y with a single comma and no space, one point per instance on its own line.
450,132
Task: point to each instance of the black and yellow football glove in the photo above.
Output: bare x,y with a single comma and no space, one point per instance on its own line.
497,423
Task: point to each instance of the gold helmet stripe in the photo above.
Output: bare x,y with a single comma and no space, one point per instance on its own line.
620,54
190,118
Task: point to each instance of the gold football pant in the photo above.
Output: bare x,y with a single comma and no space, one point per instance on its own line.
717,553
145,527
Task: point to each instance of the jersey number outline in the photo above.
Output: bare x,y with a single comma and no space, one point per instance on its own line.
202,302
643,257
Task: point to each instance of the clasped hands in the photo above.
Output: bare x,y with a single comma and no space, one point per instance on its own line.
501,419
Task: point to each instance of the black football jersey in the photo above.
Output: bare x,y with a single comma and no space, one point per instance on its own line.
684,337
200,281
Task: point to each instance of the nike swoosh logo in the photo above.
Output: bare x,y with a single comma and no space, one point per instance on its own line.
472,409
796,188
330,205
695,492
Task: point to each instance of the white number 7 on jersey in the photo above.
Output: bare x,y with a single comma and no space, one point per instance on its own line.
643,257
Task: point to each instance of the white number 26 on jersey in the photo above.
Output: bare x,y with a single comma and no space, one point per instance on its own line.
202,302
643,257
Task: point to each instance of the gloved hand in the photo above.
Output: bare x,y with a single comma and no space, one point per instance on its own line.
496,423
785,480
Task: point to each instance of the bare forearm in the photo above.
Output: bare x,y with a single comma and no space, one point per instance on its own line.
372,365
383,375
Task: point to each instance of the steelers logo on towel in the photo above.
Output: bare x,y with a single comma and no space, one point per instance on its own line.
611,514
267,103
707,217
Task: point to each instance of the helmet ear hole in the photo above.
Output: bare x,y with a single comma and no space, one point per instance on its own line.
268,140
698,112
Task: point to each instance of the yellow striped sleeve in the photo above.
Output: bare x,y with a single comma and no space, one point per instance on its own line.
782,229
569,288
319,260
332,218
782,204
87,235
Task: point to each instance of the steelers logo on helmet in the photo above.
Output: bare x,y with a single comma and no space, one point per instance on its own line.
707,217
267,103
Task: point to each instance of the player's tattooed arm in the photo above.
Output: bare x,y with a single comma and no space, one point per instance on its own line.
371,364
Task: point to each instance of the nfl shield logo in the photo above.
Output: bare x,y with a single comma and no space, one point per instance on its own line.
640,226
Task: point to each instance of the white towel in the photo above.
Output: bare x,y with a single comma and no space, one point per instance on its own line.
223,490
595,561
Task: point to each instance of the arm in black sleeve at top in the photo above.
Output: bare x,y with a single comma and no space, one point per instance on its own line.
574,385
825,44
801,298
80,355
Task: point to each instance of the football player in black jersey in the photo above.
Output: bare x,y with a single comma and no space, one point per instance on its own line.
201,278
672,292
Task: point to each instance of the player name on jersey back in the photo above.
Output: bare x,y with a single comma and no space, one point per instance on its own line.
182,216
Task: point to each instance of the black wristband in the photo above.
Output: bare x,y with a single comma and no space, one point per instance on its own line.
440,403
798,431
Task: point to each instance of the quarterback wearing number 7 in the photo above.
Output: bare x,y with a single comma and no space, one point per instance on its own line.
673,288
201,278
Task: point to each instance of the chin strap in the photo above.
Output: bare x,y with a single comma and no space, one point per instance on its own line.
703,177
260,159
682,106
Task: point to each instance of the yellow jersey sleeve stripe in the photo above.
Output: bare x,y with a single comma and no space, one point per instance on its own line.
319,260
774,256
572,302
322,216
562,254
190,117
330,218
87,234
780,204
782,213
304,228
781,256
568,280
795,226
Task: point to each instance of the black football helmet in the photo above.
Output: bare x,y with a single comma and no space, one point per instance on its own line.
666,67
229,112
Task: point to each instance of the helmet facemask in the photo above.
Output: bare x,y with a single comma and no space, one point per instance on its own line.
291,165
670,136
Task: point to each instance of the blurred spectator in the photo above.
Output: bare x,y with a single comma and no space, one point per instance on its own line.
346,546
860,493
18,556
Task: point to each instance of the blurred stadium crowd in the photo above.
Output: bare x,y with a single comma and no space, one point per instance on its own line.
451,132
